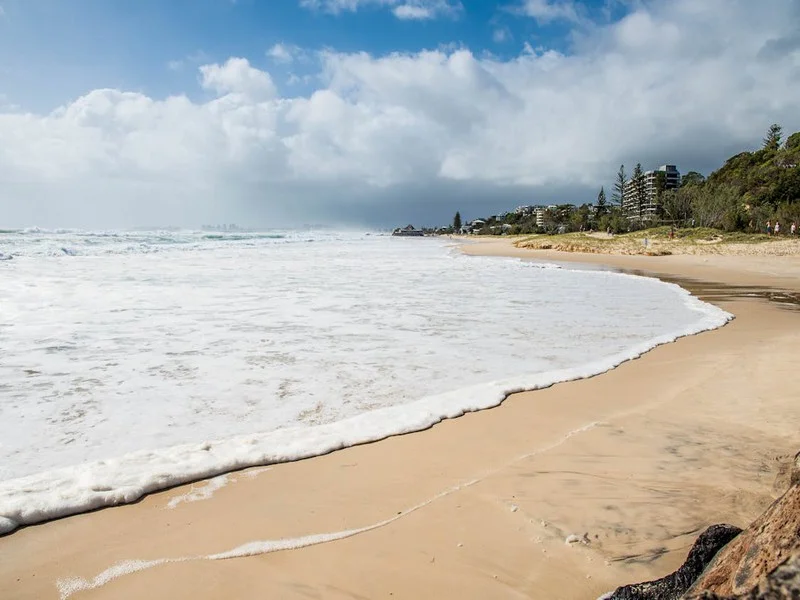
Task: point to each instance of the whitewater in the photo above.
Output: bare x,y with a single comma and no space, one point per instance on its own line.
135,361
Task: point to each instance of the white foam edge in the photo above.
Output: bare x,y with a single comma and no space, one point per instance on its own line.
81,488
200,491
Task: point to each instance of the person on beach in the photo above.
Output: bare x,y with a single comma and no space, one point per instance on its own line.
793,228
769,227
777,227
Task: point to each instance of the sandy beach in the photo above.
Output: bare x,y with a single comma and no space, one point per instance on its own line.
631,465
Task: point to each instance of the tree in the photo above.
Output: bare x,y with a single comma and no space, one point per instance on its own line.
639,192
619,186
692,178
457,222
601,207
716,206
677,205
792,142
773,139
580,218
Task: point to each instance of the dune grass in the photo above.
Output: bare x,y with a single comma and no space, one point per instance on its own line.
657,242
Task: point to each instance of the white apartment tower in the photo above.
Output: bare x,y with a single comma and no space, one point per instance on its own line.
649,209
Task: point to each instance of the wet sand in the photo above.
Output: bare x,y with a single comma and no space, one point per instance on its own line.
635,462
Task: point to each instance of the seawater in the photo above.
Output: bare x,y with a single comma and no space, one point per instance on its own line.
134,361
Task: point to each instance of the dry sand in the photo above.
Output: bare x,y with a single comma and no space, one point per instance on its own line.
640,459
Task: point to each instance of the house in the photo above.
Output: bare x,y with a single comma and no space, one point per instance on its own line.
408,231
477,224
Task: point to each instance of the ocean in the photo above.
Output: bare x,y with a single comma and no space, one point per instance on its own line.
134,361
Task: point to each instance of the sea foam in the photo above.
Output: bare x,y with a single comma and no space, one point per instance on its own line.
127,372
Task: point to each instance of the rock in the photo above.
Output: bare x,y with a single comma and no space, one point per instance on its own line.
673,586
781,584
766,544
788,473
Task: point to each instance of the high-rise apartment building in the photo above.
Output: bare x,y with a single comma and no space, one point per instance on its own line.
649,209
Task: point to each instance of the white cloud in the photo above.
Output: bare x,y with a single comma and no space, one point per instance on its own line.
238,77
282,53
665,84
546,11
175,65
402,9
413,12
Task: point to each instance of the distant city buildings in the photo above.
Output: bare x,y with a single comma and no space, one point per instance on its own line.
648,211
223,227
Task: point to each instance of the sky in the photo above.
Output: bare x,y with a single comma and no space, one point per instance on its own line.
373,113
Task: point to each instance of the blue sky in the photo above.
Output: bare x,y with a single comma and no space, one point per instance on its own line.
54,50
116,113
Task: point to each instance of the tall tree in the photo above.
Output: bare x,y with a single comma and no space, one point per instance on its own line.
677,205
457,222
601,207
619,186
660,188
773,139
639,192
692,178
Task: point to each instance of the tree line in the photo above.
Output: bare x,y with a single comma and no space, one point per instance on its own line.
742,195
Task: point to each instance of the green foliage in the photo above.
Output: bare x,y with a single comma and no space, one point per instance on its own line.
792,142
750,188
601,207
692,178
639,194
773,139
720,207
619,186
457,222
613,221
581,219
676,207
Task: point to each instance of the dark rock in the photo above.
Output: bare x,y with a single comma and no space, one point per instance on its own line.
760,550
673,586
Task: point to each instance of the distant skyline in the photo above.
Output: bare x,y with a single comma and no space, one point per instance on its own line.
371,112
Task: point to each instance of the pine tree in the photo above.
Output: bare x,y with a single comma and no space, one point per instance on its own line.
639,192
619,187
457,222
773,139
601,207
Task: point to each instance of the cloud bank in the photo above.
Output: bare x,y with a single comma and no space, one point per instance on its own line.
402,137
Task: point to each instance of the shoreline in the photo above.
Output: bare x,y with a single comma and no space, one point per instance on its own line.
127,478
545,472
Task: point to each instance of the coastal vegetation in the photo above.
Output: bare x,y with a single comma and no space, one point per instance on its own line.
743,195
659,241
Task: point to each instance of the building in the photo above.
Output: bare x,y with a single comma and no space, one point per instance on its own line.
649,208
408,231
